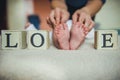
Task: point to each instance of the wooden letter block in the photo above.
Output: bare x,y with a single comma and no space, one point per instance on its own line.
13,39
106,39
38,39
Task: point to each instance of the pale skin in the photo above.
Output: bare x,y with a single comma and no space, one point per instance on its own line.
82,23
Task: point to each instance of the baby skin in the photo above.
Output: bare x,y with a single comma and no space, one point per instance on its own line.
78,33
69,40
61,37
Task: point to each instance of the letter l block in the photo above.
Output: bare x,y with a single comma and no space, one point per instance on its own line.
12,39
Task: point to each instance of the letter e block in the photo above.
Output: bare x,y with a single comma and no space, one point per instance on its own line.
12,39
106,39
38,39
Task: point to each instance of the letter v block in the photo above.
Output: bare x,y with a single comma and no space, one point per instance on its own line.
38,39
106,39
12,39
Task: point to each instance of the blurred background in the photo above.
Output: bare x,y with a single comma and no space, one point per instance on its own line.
13,14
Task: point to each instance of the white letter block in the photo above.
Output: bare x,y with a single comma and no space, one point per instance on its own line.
38,39
106,39
12,39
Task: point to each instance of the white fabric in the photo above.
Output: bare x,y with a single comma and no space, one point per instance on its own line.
31,27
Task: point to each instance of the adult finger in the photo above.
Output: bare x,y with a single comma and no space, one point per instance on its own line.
75,18
64,18
87,21
81,18
57,15
92,24
52,17
49,22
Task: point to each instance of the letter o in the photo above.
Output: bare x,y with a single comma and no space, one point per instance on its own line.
32,42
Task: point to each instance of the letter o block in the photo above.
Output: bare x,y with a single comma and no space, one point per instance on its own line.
38,39
106,39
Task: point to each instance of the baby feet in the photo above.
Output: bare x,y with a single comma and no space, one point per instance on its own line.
63,39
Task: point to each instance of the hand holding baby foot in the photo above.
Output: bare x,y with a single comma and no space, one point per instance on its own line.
63,39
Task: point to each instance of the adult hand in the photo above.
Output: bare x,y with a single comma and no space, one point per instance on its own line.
57,16
83,17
